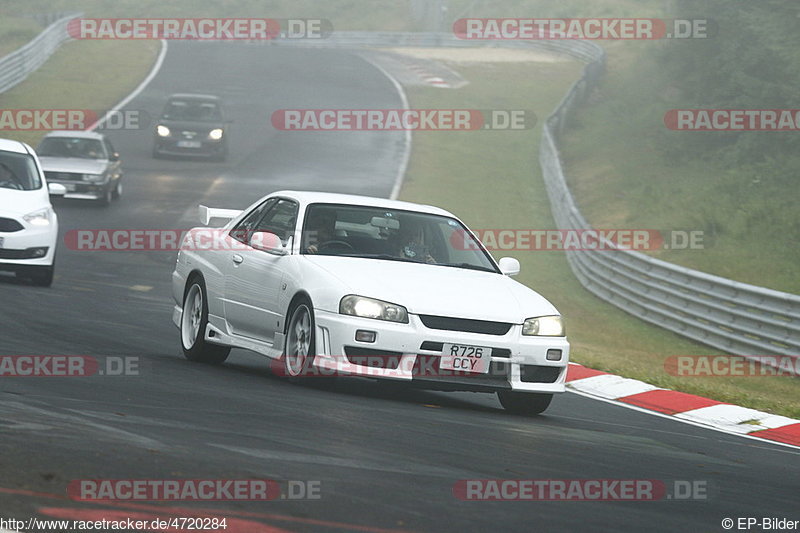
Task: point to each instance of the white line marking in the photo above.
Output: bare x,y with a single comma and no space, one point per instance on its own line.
401,171
138,89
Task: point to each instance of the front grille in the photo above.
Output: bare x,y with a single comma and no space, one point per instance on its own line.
373,358
63,176
432,346
9,225
539,374
465,324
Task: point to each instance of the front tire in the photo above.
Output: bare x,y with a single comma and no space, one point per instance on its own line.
300,346
194,320
108,196
42,275
524,403
117,194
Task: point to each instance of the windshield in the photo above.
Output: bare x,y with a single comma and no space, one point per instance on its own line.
19,172
392,235
71,147
201,111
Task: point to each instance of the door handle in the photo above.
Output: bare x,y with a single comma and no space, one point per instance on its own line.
237,259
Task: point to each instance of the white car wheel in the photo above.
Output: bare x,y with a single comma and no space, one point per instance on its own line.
194,320
299,352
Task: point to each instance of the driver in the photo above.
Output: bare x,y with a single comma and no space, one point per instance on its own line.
412,245
320,228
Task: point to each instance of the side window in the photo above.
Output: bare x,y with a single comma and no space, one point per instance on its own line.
242,231
280,219
109,148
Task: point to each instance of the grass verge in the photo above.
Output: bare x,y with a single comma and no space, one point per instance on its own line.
747,214
492,180
82,75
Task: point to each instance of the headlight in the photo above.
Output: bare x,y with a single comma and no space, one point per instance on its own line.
39,218
95,178
215,134
371,308
162,131
544,326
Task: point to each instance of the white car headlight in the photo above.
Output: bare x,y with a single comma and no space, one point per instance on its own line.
215,134
162,131
544,326
371,308
39,218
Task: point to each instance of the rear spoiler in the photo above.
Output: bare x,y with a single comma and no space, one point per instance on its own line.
208,213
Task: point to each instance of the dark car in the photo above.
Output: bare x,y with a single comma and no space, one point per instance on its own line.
192,125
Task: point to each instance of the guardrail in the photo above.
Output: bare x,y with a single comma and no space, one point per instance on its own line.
20,63
735,317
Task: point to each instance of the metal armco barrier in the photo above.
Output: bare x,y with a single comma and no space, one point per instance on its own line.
20,63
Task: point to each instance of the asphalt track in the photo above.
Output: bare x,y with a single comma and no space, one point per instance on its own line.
385,460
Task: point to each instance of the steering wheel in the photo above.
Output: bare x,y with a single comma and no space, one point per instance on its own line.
333,244
9,184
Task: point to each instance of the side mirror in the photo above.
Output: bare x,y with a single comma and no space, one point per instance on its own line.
266,241
509,266
114,157
56,189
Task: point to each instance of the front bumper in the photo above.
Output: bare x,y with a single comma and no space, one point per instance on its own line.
410,352
168,146
13,254
82,190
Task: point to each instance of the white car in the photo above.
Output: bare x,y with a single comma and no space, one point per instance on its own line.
330,284
84,162
28,224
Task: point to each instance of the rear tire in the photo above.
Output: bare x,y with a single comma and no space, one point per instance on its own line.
194,320
524,403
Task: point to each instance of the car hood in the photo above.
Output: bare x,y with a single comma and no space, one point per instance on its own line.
73,164
437,290
19,203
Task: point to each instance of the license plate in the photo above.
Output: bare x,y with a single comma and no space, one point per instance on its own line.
465,358
189,144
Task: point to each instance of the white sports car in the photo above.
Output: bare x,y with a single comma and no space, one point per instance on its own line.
331,284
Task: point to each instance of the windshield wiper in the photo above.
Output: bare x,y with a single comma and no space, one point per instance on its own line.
468,266
386,257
